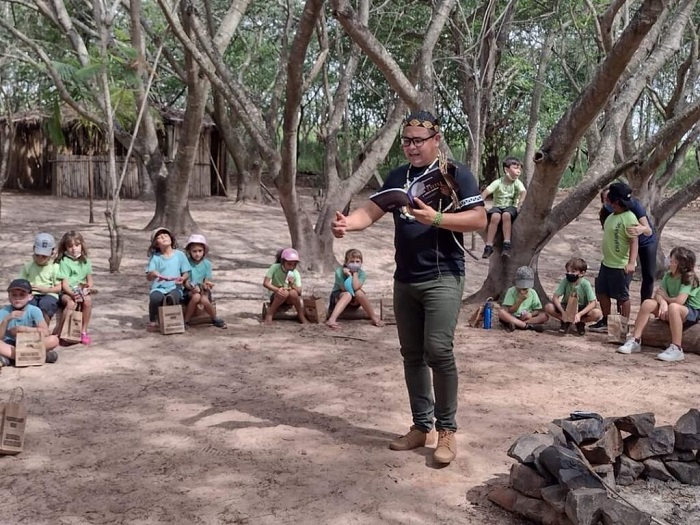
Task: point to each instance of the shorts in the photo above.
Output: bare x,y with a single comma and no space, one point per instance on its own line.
47,303
512,210
692,317
613,283
333,300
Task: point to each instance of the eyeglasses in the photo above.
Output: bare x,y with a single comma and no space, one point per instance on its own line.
416,141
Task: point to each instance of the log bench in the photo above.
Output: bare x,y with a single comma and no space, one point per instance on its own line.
658,334
384,308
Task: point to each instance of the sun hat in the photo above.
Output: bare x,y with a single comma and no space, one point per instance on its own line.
290,254
620,192
524,277
44,243
20,284
196,238
155,233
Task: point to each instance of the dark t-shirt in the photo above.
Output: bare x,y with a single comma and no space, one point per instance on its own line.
423,252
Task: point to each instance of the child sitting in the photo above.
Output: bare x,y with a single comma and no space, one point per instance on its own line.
284,281
347,290
21,316
198,286
677,301
42,274
75,269
167,269
574,283
521,307
508,194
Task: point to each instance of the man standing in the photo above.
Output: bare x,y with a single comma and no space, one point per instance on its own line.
428,283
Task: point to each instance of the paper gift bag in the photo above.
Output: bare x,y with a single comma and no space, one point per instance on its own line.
571,309
170,318
72,325
477,318
617,328
386,310
315,309
13,416
29,349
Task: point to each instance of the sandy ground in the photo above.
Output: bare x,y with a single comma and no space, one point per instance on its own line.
290,424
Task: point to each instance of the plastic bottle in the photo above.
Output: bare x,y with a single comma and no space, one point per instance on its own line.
487,314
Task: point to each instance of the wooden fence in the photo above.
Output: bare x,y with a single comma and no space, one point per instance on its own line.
79,176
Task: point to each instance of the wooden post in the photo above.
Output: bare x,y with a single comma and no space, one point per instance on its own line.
91,191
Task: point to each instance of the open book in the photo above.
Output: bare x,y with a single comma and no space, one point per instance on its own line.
433,188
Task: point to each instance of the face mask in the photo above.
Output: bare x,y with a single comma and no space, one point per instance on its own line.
608,207
571,277
353,267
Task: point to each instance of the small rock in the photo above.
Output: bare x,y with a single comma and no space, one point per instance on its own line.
659,442
687,430
685,472
580,430
607,448
541,469
526,480
617,513
607,474
523,447
555,495
503,497
568,469
558,434
583,506
639,425
627,470
655,469
679,455
533,509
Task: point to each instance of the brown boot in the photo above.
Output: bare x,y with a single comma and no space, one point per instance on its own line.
414,439
446,448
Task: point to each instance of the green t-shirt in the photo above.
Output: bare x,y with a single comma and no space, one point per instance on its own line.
200,271
75,271
46,276
278,276
616,240
674,287
531,303
505,194
584,290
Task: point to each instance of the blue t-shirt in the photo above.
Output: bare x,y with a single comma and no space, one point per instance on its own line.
637,208
422,251
173,266
200,271
32,317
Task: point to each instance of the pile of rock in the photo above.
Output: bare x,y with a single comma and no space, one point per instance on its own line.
562,472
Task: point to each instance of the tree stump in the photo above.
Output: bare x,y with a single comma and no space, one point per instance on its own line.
658,334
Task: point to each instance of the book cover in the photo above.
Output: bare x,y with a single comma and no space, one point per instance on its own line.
433,188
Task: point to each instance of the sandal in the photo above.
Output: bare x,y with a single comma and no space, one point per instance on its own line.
219,323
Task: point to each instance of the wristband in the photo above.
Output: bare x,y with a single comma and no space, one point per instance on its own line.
437,220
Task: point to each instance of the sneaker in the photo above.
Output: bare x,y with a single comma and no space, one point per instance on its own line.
85,338
446,448
51,356
630,346
564,327
581,328
414,439
535,328
5,361
672,353
488,250
600,327
507,250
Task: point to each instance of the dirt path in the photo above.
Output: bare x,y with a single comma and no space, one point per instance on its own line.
288,424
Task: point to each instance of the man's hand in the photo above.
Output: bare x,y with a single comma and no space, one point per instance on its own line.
636,230
339,225
422,212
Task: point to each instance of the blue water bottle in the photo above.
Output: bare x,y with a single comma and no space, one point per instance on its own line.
487,314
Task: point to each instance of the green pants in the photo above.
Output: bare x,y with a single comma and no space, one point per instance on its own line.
426,317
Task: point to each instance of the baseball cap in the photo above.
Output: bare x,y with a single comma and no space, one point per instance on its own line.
290,254
155,233
44,243
524,277
620,192
196,238
20,284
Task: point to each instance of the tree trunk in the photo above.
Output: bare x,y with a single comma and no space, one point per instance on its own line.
657,333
